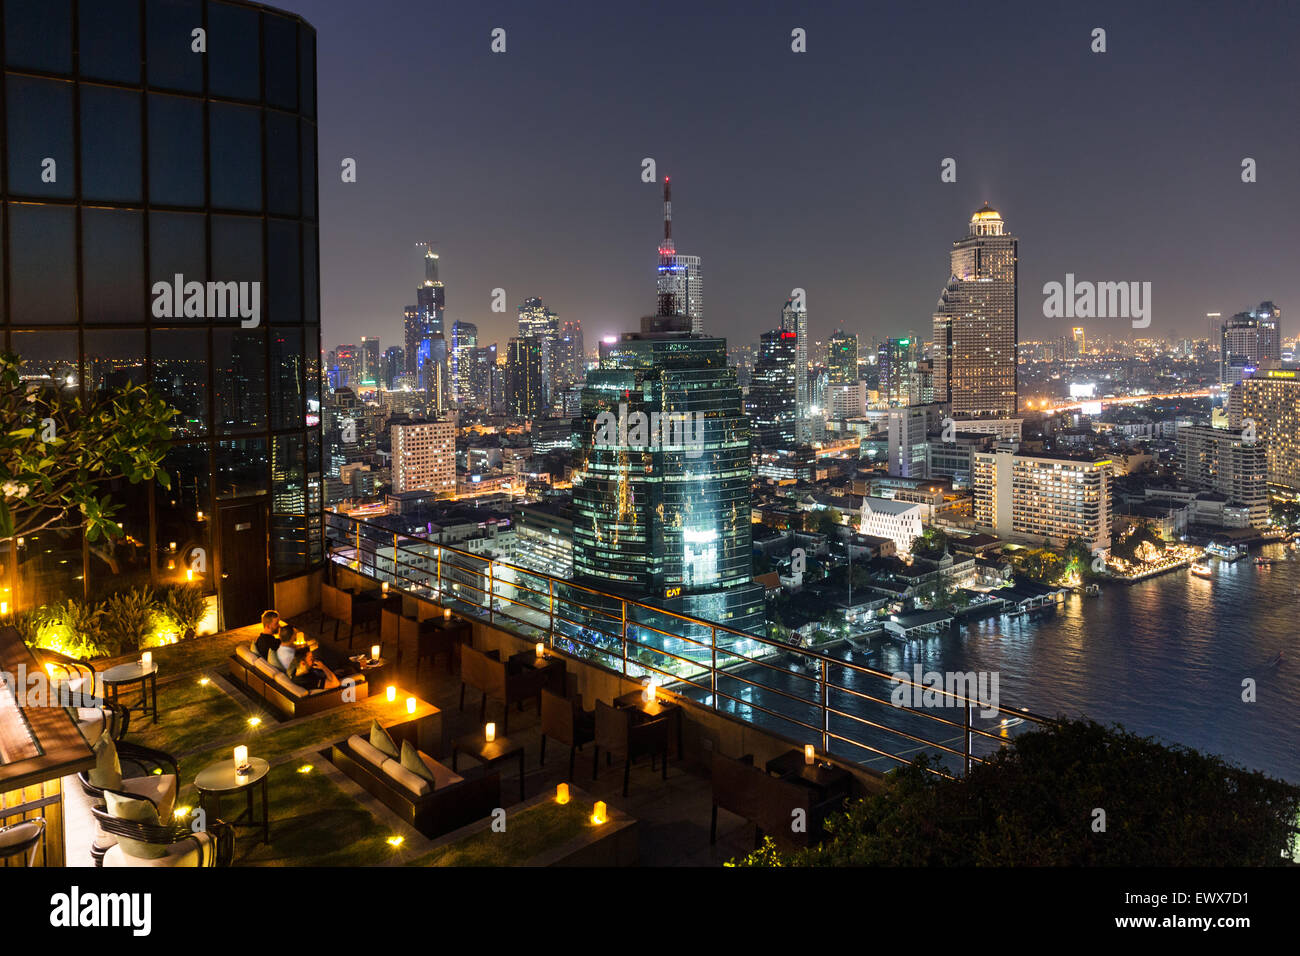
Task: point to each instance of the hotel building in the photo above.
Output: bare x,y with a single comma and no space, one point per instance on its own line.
1032,497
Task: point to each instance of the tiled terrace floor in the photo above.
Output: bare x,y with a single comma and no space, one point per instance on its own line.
672,814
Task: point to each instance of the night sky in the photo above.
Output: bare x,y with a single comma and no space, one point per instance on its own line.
818,170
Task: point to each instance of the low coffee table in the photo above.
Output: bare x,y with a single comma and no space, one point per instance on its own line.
488,754
124,675
218,779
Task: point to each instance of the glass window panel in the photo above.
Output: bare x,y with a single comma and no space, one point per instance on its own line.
234,68
38,35
50,568
310,282
110,144
49,359
281,62
283,197
42,264
177,510
109,45
284,276
40,128
173,64
239,379
117,564
177,246
112,263
307,69
289,494
237,257
308,139
113,359
235,156
180,376
287,378
240,468
175,150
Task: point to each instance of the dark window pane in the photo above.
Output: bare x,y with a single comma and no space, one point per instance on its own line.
239,379
113,359
172,62
178,511
110,40
287,378
120,563
235,156
310,288
283,195
308,137
49,568
240,468
237,257
307,69
42,264
113,265
40,128
175,150
110,144
180,376
284,277
177,246
289,535
233,65
49,358
38,35
281,62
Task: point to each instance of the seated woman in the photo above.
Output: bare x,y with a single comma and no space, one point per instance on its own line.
307,672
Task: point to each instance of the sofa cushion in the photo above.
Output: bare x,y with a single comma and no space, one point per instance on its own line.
107,772
265,669
157,787
289,687
90,721
361,749
411,761
381,741
246,654
443,776
411,782
140,810
196,851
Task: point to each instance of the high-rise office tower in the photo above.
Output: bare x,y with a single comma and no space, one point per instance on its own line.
976,322
897,362
425,318
569,360
540,323
464,341
1248,341
842,358
1078,342
347,360
85,249
525,384
424,457
372,371
772,401
1229,461
794,319
394,364
679,276
1269,402
665,518
482,370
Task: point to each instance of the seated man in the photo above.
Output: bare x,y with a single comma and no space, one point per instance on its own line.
307,672
269,639
287,651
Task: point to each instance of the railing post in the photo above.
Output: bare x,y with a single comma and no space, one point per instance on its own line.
826,713
967,739
550,595
491,594
623,631
713,671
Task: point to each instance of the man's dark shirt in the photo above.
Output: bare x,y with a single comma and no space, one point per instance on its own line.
265,644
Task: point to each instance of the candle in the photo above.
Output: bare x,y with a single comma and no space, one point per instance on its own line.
392,693
410,705
374,652
146,660
490,733
562,793
171,546
598,814
384,587
648,694
446,612
200,515
241,758
808,754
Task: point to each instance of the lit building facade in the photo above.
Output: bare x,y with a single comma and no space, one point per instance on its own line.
795,320
1250,341
976,322
771,403
1232,462
424,457
131,161
1032,497
1269,401
842,358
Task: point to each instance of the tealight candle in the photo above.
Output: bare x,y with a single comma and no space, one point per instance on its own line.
562,793
598,812
541,649
392,693
410,705
446,612
490,733
384,587
809,755
241,758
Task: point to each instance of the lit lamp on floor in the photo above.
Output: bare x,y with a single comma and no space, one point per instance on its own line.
598,813
384,587
648,693
562,794
490,732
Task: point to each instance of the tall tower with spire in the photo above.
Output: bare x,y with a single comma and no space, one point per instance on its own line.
679,276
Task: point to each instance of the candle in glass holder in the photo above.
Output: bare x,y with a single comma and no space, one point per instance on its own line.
384,587
648,693
562,793
809,755
374,652
241,758
446,612
410,705
490,733
598,812
541,649
146,660
392,693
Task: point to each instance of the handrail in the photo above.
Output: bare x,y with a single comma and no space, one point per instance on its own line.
741,684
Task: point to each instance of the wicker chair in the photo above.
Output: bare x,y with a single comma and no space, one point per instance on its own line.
619,736
213,846
146,773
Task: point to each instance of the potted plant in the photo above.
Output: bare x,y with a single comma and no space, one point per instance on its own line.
186,605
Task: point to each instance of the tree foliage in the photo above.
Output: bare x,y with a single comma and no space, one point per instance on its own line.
1035,804
59,450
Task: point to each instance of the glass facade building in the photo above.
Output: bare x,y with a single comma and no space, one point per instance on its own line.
152,143
664,515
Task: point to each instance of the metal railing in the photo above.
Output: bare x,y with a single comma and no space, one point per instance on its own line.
847,710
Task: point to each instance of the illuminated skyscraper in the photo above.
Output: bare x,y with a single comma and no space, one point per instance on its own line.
464,341
372,372
795,319
540,323
976,322
842,358
772,397
666,517
1249,340
679,276
897,362
525,385
425,318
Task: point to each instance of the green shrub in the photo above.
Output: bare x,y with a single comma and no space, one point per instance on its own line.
128,617
186,606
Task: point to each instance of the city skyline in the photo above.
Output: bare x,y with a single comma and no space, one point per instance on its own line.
766,219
